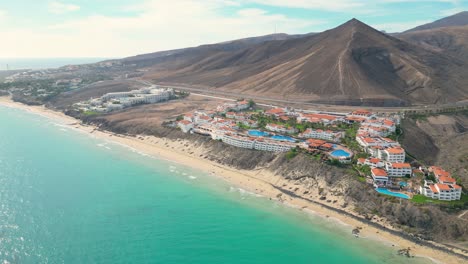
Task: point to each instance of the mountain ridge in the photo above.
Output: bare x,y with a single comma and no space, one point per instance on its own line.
459,19
350,64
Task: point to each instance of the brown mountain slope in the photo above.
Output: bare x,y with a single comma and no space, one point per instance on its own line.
459,19
449,40
352,63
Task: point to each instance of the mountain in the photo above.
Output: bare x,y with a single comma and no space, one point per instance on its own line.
350,64
459,19
452,41
229,46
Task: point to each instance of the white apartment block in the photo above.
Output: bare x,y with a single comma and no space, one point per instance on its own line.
322,134
392,154
395,169
185,125
250,143
440,191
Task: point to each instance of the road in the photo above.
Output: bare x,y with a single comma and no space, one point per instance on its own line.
266,101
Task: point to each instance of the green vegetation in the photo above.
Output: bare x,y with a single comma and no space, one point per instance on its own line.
90,113
364,169
179,118
251,103
421,199
350,138
243,126
292,153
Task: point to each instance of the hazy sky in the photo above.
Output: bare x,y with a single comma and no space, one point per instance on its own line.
117,28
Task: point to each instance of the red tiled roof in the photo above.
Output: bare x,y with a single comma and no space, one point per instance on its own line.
379,172
444,187
185,122
447,179
400,165
395,150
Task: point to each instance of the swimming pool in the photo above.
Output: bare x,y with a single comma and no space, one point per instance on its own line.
340,153
258,133
283,138
387,192
403,184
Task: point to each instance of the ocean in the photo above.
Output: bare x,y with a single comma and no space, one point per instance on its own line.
41,63
68,197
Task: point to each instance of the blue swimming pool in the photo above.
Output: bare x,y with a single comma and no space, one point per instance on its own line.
283,138
258,133
403,184
387,192
340,153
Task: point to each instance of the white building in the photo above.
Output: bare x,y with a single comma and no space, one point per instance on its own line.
372,162
185,125
280,129
257,143
440,191
322,134
379,176
367,142
396,169
392,154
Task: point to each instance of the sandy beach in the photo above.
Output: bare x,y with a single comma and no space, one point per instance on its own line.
259,181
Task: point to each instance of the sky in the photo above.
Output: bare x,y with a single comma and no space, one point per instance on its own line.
119,28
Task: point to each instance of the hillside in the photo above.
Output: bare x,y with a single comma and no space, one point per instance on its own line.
440,140
459,19
452,41
350,64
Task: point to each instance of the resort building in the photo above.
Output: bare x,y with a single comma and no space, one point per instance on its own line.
325,119
235,115
280,129
371,162
257,143
362,113
322,134
185,125
440,191
396,169
367,142
276,112
441,175
379,176
189,117
392,154
202,119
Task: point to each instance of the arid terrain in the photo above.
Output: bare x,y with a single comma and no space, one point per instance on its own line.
351,64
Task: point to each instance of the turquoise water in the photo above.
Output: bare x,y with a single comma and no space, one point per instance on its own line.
283,138
340,153
396,194
258,133
66,197
403,184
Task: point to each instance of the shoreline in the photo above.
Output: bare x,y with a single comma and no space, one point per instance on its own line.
257,181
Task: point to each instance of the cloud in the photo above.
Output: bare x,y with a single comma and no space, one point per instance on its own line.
452,11
329,5
157,25
56,7
400,27
3,14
